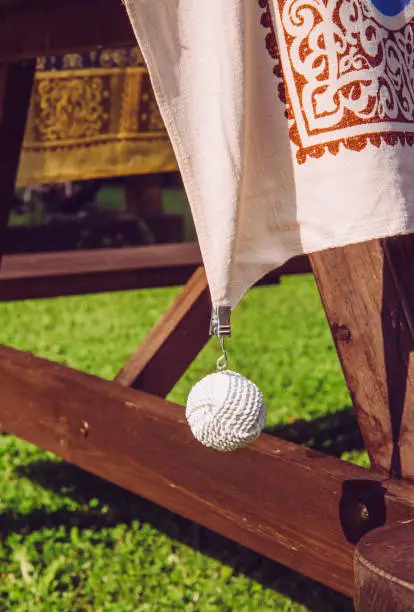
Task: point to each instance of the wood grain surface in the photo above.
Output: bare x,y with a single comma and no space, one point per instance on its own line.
368,294
299,507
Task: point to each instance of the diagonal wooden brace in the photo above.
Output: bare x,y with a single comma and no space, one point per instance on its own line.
181,333
174,342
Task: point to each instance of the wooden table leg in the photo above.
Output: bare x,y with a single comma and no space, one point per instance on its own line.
368,294
16,81
143,195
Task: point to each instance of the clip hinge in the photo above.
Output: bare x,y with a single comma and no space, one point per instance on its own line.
220,322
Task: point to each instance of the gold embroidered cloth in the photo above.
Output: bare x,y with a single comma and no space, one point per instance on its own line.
93,115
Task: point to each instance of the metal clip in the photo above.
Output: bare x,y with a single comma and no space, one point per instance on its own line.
220,327
220,322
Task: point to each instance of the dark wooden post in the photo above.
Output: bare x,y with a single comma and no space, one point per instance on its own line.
368,293
16,81
143,195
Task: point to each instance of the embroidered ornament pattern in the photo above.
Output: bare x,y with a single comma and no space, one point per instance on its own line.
348,71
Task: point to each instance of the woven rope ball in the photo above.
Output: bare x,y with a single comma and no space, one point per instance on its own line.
225,411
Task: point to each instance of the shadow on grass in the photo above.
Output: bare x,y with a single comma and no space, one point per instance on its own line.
333,433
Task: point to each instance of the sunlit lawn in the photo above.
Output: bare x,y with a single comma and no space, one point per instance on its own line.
73,542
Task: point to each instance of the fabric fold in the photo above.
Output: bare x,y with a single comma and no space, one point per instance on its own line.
197,73
292,122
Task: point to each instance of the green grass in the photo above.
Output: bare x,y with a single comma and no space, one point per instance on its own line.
73,542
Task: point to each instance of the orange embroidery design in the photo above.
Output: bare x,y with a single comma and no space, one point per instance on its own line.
348,73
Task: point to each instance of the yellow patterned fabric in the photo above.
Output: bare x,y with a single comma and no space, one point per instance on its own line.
93,115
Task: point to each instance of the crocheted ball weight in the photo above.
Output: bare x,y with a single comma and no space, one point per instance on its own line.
225,411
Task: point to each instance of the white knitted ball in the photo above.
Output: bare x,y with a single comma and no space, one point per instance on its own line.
225,411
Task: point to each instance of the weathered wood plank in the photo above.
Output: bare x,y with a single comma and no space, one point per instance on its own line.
15,87
96,270
93,271
45,27
297,506
174,342
367,292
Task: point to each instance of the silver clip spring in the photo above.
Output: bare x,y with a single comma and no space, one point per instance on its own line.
220,327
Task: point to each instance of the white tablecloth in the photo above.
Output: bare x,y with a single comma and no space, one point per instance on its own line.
292,122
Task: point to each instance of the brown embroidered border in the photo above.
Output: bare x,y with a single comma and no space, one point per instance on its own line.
354,143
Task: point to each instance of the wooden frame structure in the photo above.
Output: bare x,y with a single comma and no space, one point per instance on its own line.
297,506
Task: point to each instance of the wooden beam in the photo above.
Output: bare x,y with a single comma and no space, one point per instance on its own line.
96,270
92,271
367,291
15,88
180,334
299,507
43,27
64,235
